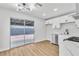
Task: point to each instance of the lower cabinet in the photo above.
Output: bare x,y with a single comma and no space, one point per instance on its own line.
63,51
69,48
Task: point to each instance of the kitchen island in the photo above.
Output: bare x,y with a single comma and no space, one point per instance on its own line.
67,47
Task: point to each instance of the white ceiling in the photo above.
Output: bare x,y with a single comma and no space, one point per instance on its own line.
47,10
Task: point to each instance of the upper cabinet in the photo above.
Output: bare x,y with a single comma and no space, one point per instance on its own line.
56,22
69,19
56,26
48,22
77,23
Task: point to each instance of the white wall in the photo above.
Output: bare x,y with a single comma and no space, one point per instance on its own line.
40,29
73,29
5,16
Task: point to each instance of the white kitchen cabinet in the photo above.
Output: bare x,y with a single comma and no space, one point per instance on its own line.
77,23
69,19
56,23
48,22
57,26
72,47
68,48
63,51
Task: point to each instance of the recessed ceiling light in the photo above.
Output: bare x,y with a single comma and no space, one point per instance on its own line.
56,9
44,14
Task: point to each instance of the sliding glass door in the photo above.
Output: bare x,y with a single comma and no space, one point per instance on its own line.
29,32
21,32
17,32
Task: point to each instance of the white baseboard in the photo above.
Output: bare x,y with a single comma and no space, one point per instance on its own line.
34,42
1,50
39,40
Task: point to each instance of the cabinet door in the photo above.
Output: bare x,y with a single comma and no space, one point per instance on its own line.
72,47
63,51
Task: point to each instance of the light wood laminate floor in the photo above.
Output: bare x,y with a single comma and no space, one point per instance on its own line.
44,48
